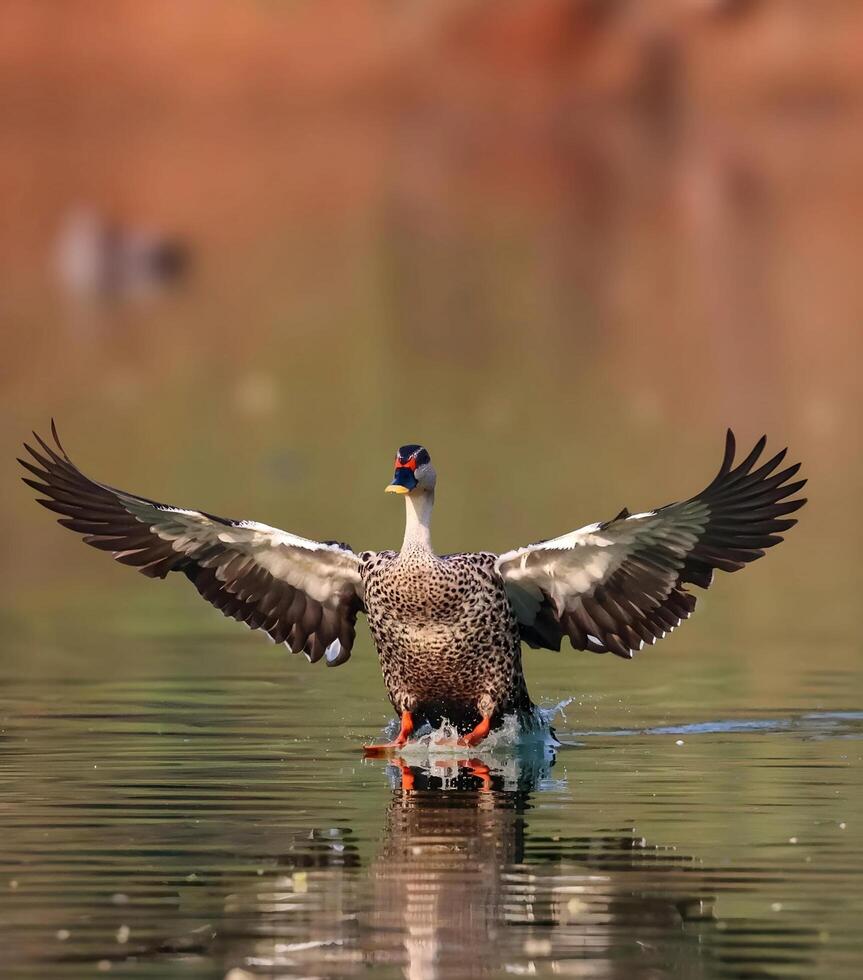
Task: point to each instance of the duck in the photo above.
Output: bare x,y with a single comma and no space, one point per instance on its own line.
98,257
448,629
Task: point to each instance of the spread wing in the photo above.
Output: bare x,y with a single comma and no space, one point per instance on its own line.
613,587
304,593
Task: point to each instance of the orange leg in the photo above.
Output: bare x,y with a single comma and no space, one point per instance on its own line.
404,734
478,734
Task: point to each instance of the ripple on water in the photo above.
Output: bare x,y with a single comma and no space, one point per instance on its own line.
199,828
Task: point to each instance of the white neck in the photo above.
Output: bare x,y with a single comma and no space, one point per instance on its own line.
418,511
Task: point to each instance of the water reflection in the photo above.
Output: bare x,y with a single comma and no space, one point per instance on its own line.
453,831
201,836
461,886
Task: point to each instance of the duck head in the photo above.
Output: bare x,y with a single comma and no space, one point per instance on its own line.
414,471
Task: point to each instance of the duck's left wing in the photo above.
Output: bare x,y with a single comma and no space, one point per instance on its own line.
614,586
303,593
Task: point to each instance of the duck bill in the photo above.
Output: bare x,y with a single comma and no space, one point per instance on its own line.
403,481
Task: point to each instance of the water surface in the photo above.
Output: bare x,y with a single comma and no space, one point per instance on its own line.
209,813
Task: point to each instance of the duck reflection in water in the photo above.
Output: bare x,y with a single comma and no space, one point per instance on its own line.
453,831
459,887
472,893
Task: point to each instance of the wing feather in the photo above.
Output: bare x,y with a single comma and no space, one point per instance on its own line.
614,586
304,593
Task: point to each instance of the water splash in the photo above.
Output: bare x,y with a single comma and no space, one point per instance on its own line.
516,756
518,732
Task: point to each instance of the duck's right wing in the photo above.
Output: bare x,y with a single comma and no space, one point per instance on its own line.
303,593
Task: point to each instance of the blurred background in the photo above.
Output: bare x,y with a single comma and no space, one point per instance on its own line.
249,248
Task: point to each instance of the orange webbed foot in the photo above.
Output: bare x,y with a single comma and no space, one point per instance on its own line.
387,748
478,734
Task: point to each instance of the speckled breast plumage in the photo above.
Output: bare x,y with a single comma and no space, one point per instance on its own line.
446,635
